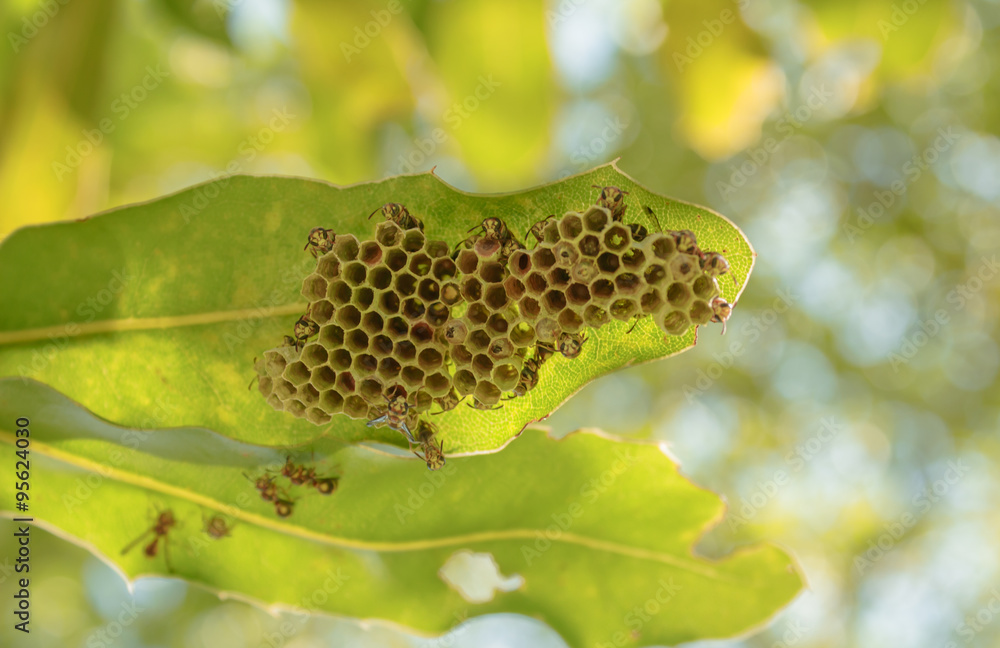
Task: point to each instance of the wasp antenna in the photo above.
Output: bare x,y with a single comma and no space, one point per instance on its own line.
474,227
374,212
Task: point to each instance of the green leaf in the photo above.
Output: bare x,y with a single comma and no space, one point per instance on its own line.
595,527
151,315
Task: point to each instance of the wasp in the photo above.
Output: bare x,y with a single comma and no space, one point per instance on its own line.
537,229
570,344
266,487
164,522
480,405
433,454
395,415
304,329
399,215
320,241
722,310
284,508
298,474
612,199
529,377
449,401
714,264
495,230
639,232
686,242
216,526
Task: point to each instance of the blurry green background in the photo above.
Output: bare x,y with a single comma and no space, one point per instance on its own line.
851,409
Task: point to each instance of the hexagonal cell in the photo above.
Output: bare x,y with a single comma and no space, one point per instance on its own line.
388,303
379,278
388,368
584,271
529,308
421,333
356,407
487,393
314,355
308,395
491,272
295,408
550,233
413,309
340,359
314,287
364,365
654,274
566,254
650,301
486,248
348,317
372,323
547,330
405,351
428,290
596,219
371,390
519,263
345,247
339,293
700,312
500,349
554,301
468,261
355,273
662,246
450,293
388,233
274,362
464,382
363,298
430,359
536,283
406,284
589,245
331,402
420,264
455,331
321,312
678,294
577,294
482,366
627,283
395,259
602,290
436,249
543,258
356,341
595,316
370,253
570,321
284,389
437,314
495,297
317,416
633,258
413,240
684,267
617,237
498,324
265,385
437,384
275,402
461,355
623,309
505,377
522,335
345,383
328,266
477,314
412,376
676,323
443,269
478,340
705,287
559,277
296,373
381,346
472,289
608,262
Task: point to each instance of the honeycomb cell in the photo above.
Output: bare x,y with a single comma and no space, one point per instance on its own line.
379,278
339,293
412,377
514,288
450,293
522,335
420,264
500,349
429,290
465,382
461,355
331,401
388,303
265,385
284,389
308,395
654,274
495,297
314,287
491,272
486,248
444,269
684,267
478,340
328,267
381,346
550,233
590,246
413,240
633,258
608,262
559,277
437,314
623,309
405,351
617,237
650,301
676,323
570,321
355,273
566,254
331,336
438,384
430,359
317,416
543,259
577,294
547,329
477,314
348,317
274,362
498,324
482,366
340,359
413,309
388,369
346,247
570,226
371,390
296,373
554,301
519,263
406,284
596,219
678,294
505,377
705,287
421,333
275,402
662,247
628,283
356,407
314,355
602,290
356,341
363,298
437,249
395,259
529,308
584,271
487,393
387,233
295,408
345,383
701,312
321,312
370,253
472,289
396,328
468,262
536,283
595,316
456,331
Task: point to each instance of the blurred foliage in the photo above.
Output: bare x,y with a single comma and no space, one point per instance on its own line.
834,327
